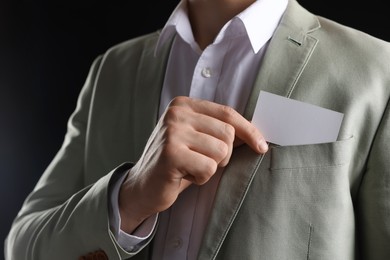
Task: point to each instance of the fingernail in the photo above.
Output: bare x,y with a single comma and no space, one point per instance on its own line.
263,146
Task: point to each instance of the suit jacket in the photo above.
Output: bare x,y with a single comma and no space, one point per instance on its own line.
318,201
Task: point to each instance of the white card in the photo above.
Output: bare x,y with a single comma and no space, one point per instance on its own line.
285,121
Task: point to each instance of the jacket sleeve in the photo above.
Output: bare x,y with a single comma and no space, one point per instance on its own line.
374,197
62,218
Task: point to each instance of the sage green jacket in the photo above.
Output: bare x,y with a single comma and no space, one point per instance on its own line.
320,201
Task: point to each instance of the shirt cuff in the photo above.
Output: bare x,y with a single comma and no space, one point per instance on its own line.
129,242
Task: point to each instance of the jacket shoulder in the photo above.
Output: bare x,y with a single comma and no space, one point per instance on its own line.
346,37
132,49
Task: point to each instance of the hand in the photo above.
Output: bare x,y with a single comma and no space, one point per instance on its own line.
192,138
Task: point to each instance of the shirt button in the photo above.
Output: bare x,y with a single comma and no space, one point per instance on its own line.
177,243
206,72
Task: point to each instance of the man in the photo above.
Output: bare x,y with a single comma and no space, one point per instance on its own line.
160,160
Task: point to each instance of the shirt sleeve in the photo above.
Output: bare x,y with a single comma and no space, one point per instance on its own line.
129,242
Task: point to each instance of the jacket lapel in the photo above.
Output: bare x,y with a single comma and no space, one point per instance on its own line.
283,63
287,55
150,76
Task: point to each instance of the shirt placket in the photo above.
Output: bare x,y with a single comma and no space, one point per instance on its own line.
207,73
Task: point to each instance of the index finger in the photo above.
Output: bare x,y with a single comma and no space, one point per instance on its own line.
244,129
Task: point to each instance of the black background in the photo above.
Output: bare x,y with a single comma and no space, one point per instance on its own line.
46,49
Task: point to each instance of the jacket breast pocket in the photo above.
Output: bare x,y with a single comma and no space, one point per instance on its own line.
313,173
312,156
314,178
310,192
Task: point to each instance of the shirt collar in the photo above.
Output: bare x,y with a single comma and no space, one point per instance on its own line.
259,20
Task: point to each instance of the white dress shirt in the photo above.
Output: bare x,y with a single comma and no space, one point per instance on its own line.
224,72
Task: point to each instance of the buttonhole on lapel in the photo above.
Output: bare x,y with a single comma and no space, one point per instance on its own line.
294,41
309,242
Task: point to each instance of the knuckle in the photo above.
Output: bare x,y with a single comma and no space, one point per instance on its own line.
179,100
227,112
169,151
211,168
172,114
208,171
172,136
223,150
229,132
